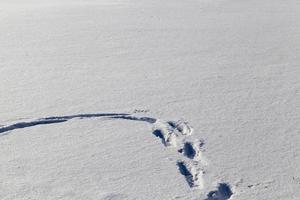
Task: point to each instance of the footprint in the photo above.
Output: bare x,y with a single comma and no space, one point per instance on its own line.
181,126
193,176
168,138
166,133
223,192
193,150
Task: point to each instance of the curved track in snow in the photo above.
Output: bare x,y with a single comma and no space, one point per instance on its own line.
177,134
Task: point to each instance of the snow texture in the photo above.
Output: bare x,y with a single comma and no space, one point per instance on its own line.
149,99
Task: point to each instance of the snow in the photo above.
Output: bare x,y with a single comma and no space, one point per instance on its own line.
203,96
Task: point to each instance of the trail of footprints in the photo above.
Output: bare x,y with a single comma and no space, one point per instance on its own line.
192,164
177,134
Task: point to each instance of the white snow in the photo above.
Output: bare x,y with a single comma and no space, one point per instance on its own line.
223,75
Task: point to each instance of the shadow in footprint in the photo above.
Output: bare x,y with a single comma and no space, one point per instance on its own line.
223,192
158,133
189,150
186,173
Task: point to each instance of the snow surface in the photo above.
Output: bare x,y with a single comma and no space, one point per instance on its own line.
149,99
